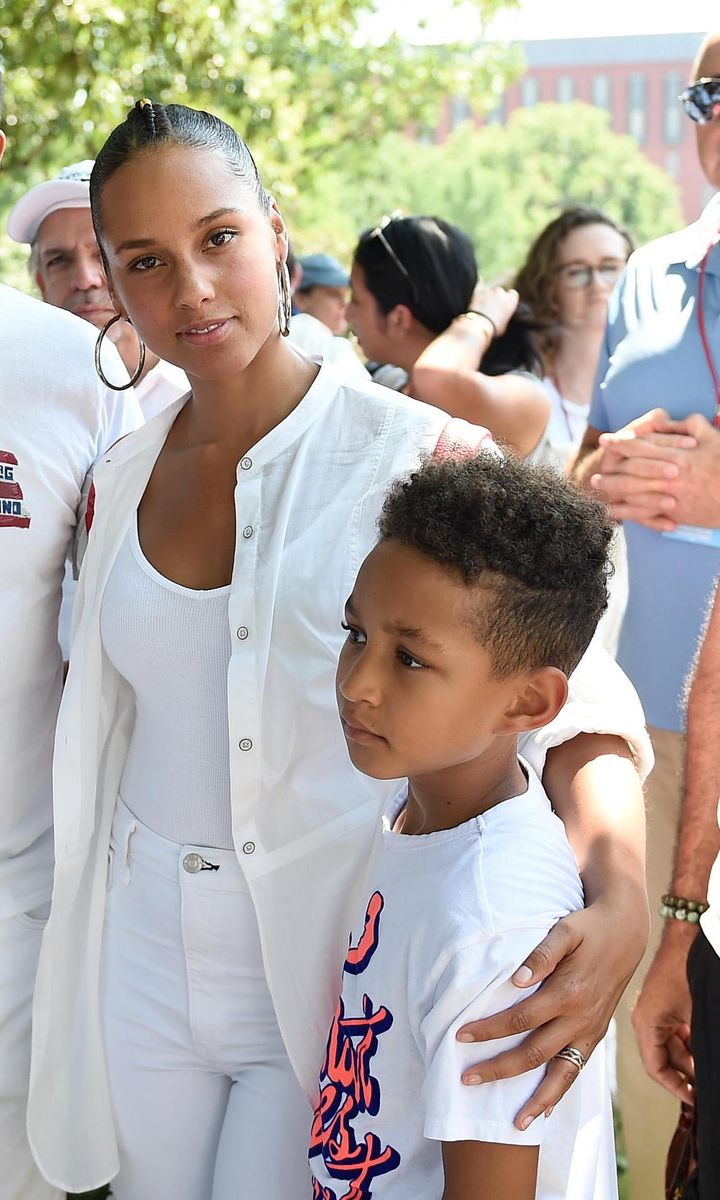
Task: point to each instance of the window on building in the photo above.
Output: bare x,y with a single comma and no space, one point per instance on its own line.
459,111
529,91
672,163
497,115
637,106
600,91
673,116
564,89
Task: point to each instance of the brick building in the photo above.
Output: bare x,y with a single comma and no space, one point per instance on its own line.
635,78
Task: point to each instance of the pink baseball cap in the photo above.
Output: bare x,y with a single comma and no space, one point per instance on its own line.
69,189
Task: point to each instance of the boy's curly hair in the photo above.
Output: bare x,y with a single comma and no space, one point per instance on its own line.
534,546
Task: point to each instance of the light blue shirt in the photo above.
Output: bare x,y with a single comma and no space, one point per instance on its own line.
653,357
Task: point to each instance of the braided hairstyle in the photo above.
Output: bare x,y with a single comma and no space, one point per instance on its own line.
149,126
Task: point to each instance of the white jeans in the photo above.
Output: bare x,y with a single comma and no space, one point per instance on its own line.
206,1103
19,948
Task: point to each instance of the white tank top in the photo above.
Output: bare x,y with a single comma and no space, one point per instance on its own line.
172,646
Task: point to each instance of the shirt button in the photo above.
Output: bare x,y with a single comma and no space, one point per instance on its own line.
248,531
249,848
246,463
243,633
246,744
193,863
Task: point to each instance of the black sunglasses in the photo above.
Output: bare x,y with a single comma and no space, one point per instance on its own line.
378,232
701,100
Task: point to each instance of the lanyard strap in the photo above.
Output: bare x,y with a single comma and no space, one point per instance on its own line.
704,337
556,384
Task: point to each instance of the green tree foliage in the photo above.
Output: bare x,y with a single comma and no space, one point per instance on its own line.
297,78
500,183
326,112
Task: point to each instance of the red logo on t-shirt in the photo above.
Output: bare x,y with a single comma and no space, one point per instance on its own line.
12,512
348,1088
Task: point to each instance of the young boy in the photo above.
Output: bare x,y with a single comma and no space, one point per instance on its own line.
480,598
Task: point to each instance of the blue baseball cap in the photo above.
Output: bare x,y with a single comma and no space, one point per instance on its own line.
322,270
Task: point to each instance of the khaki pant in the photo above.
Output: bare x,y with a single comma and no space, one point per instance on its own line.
649,1113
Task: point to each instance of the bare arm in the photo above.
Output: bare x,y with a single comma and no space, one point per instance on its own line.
699,836
588,958
597,794
487,1171
661,1016
515,408
448,374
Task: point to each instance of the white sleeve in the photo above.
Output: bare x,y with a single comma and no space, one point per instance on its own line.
120,411
346,361
601,699
475,984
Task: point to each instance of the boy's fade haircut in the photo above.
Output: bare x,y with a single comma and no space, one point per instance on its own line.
531,541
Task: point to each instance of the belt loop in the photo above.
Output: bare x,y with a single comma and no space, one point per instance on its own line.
126,851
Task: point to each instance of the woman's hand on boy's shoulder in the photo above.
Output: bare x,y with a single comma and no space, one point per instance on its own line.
584,964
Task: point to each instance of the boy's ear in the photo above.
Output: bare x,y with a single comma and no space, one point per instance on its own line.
537,703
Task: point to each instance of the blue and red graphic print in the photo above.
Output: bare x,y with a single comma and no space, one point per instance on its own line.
347,1087
12,511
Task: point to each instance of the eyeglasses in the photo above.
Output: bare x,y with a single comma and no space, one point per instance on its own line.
576,276
701,100
378,233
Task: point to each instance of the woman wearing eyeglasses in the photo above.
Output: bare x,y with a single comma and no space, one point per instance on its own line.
415,303
566,281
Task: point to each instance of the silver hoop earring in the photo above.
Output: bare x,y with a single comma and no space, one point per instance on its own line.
117,387
284,299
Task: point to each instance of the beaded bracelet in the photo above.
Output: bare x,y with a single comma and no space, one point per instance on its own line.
681,909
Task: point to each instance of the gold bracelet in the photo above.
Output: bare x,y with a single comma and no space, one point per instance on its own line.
472,315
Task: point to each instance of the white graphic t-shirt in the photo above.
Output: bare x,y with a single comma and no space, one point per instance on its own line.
55,418
449,917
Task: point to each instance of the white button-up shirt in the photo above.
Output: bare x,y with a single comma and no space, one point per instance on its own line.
304,821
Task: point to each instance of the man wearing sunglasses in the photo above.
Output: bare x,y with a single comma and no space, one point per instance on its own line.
662,352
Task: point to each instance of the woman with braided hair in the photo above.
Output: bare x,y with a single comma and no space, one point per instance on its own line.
210,831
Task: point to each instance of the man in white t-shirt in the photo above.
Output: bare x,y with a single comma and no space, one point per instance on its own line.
55,418
54,220
459,641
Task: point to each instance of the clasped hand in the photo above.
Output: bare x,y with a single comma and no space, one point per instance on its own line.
662,473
